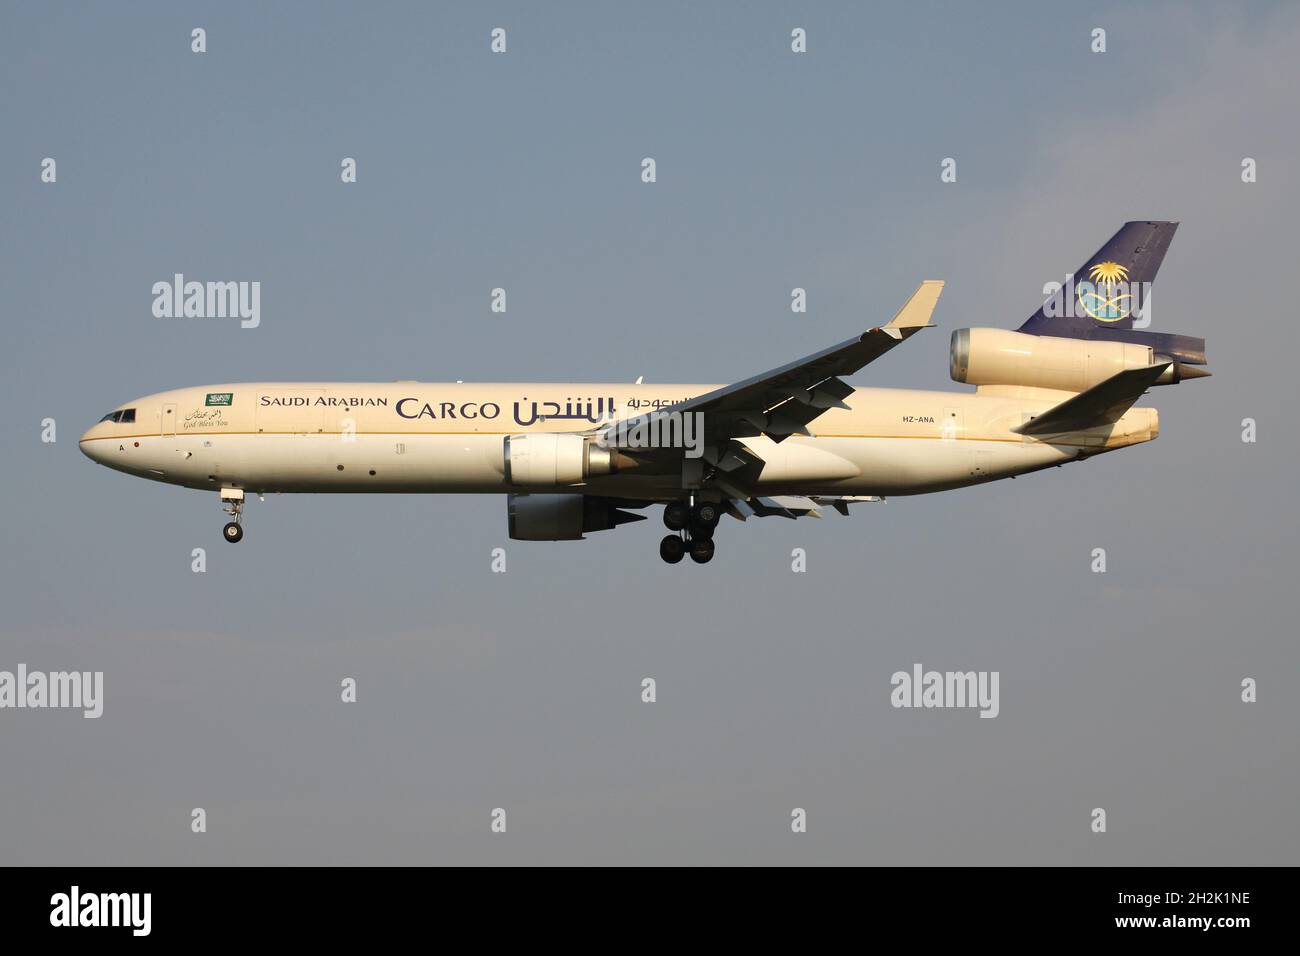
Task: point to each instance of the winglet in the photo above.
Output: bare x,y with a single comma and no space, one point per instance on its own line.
916,313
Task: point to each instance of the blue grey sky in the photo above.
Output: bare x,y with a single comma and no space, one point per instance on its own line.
775,170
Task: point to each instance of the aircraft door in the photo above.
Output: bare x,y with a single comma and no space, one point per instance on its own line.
168,426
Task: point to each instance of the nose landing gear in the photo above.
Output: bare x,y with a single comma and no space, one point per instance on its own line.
233,499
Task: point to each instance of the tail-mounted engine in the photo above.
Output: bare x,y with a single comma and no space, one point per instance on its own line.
1001,357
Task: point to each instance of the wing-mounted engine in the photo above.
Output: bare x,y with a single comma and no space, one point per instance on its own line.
559,459
562,517
1002,357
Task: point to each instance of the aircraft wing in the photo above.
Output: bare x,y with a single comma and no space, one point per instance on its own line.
781,402
793,506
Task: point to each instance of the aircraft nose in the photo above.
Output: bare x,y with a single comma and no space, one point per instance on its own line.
90,448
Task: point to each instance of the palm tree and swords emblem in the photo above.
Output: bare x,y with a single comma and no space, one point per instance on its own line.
1106,297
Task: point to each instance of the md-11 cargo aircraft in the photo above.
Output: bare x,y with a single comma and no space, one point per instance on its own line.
578,458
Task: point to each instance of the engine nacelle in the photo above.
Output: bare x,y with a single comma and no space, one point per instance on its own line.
560,459
1001,357
562,517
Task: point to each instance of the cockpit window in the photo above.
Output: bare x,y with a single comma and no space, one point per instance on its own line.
124,416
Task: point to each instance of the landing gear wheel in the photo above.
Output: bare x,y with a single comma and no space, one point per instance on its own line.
702,550
672,548
706,514
676,514
233,501
701,532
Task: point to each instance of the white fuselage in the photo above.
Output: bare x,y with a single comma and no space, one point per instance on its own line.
420,437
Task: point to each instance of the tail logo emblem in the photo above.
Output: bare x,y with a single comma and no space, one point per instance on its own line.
1106,297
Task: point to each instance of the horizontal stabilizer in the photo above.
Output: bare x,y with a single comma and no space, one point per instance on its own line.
1103,404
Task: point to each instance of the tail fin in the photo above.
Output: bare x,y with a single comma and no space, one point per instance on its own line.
1111,291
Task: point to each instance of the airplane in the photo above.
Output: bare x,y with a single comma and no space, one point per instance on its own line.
580,458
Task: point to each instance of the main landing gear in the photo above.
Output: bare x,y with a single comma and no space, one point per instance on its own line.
233,499
694,526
